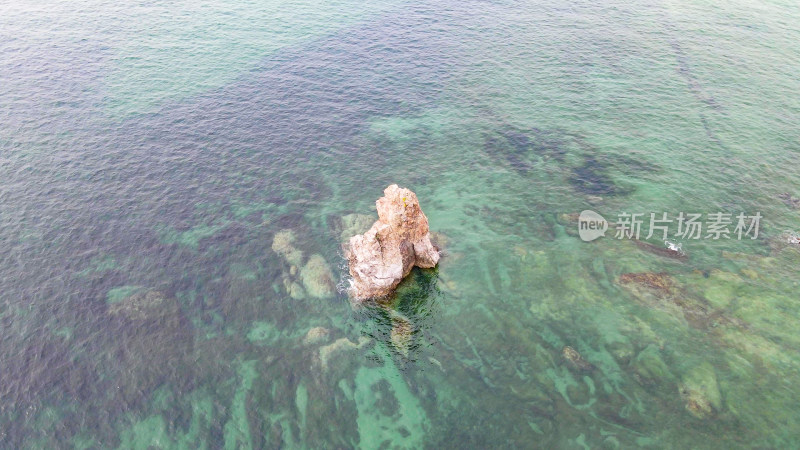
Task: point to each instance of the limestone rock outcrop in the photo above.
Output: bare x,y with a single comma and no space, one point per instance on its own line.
399,240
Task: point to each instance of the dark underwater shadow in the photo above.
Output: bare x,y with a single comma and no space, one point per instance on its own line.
400,323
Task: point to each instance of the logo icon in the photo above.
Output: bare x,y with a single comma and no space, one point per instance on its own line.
591,225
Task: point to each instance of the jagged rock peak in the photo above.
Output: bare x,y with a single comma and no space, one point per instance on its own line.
399,240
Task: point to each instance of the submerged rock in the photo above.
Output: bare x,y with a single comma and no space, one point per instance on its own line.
318,278
334,349
649,368
353,224
314,279
660,282
144,305
671,251
575,360
296,291
399,240
316,335
700,391
568,218
660,290
440,240
790,200
621,350
402,333
149,330
283,244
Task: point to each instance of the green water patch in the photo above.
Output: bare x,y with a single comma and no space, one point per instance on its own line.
521,137
269,209
98,265
190,238
388,413
301,402
145,434
159,430
120,293
237,428
83,442
263,333
497,259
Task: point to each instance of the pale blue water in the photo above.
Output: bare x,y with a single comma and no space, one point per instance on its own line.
151,152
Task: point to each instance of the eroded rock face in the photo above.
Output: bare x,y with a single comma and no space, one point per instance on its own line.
399,240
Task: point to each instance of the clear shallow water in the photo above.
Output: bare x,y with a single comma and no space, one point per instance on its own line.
160,148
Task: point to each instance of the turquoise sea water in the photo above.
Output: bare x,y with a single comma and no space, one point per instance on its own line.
151,152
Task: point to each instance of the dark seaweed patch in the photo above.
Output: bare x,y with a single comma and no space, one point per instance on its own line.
542,144
592,178
416,301
519,148
496,147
